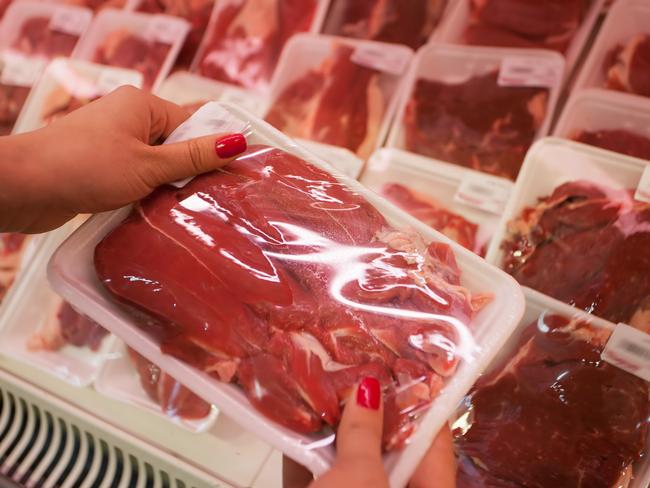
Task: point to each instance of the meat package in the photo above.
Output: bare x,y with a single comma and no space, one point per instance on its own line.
464,115
67,85
410,23
617,140
147,43
627,66
551,413
30,34
245,38
581,237
12,246
311,289
336,97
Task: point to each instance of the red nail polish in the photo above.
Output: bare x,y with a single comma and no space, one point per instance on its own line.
230,146
369,393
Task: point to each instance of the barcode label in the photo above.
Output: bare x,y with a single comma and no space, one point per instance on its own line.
643,190
484,193
629,349
109,80
20,70
381,59
521,71
69,21
165,30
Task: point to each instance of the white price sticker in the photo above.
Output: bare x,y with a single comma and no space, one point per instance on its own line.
20,70
110,79
489,195
629,349
521,71
69,21
381,59
165,30
643,190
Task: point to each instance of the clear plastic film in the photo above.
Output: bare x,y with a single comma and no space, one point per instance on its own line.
338,92
291,282
550,412
411,23
578,229
245,38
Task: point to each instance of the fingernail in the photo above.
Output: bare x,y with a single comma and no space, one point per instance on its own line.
369,393
230,146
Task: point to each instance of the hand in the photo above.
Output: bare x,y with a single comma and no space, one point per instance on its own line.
358,451
100,157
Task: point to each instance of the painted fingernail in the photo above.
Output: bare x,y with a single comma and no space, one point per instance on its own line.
230,146
369,393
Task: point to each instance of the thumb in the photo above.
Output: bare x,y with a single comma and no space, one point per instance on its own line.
172,162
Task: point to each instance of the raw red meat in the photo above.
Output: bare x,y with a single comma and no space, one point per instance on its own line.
97,5
525,23
174,399
553,414
273,274
339,103
12,99
37,39
477,124
11,248
627,68
244,44
397,21
621,141
123,49
433,214
587,245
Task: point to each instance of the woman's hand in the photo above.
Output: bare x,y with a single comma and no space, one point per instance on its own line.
358,451
100,157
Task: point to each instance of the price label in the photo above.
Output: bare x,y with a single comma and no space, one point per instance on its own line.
69,21
520,71
20,70
489,195
381,59
247,101
166,30
111,79
629,349
643,190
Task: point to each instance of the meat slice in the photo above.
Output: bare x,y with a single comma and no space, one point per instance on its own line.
174,399
339,103
477,123
123,49
410,23
627,68
587,245
97,5
553,414
12,246
272,274
37,39
12,99
245,42
433,214
618,140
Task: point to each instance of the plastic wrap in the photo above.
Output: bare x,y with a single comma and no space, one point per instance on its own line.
67,85
245,38
458,108
615,121
12,248
339,92
550,412
146,43
317,283
130,378
410,23
574,230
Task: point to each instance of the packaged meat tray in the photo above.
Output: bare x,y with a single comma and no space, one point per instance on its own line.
343,160
431,191
148,43
67,85
130,378
15,252
411,23
615,121
337,91
52,336
561,25
30,34
245,38
194,91
319,222
469,105
620,57
577,229
547,390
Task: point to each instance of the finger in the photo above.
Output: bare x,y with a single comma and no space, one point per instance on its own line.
438,464
172,162
294,475
165,117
